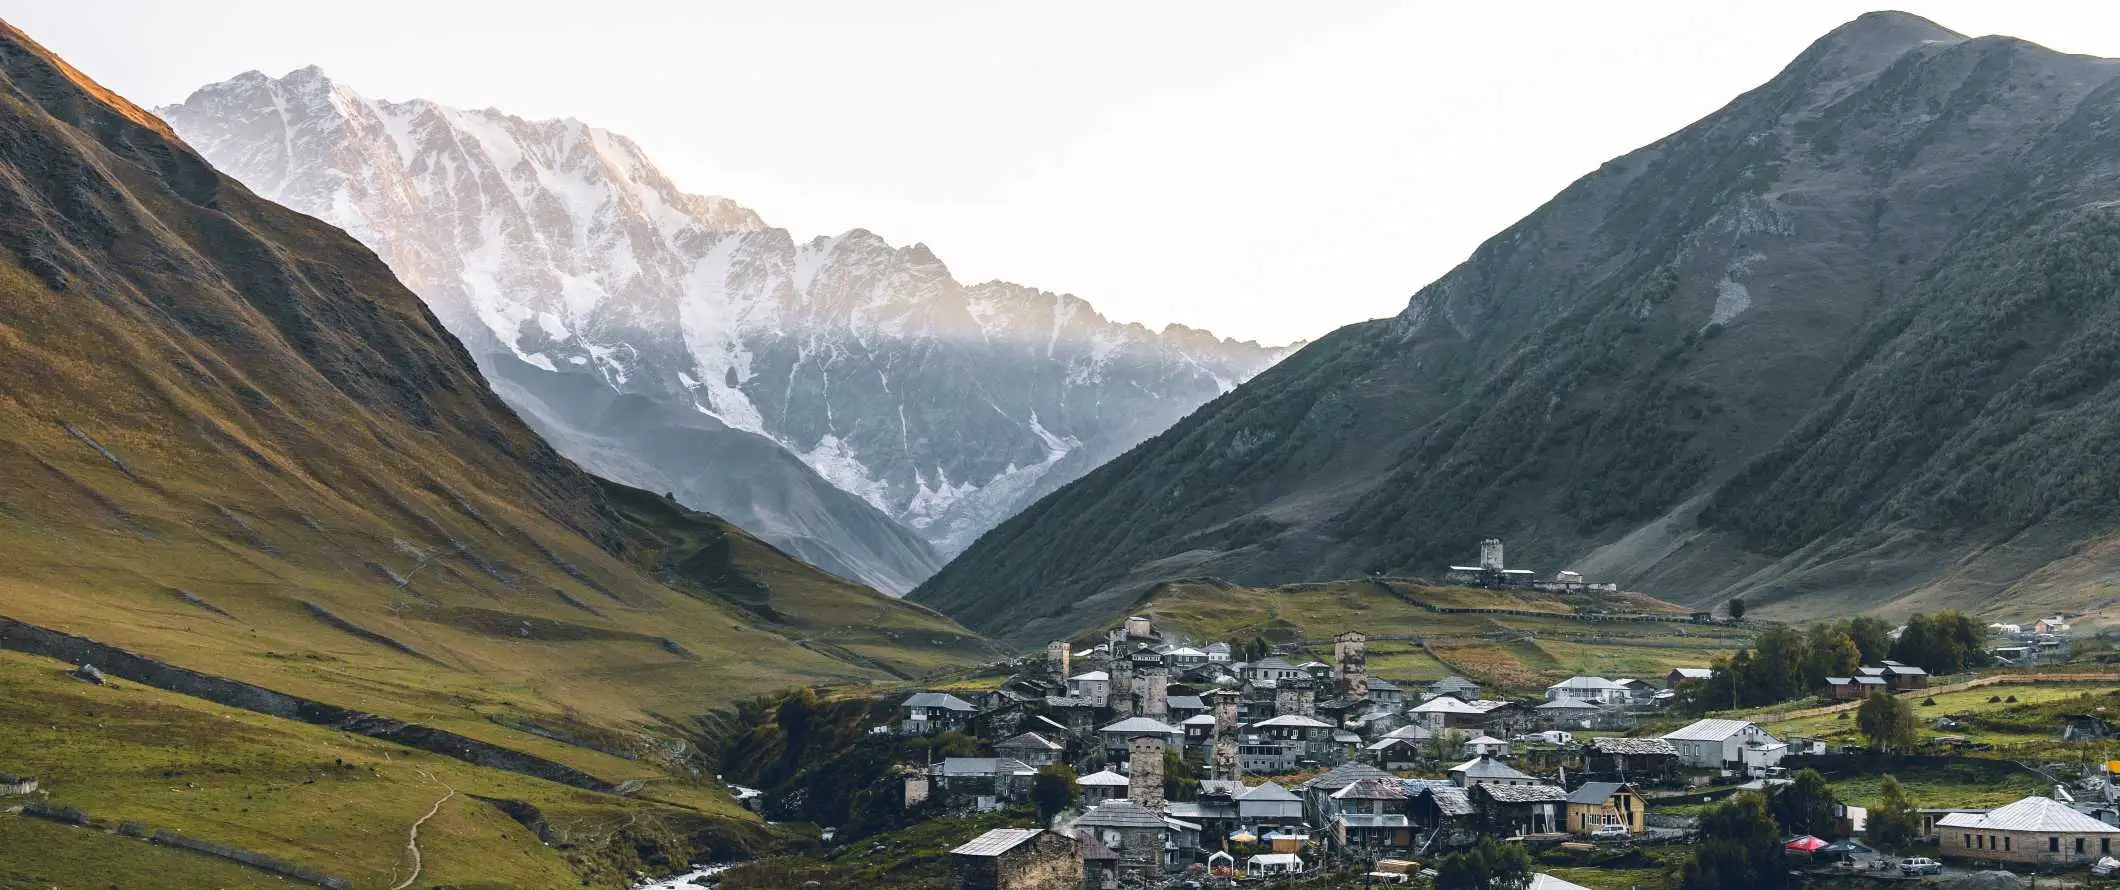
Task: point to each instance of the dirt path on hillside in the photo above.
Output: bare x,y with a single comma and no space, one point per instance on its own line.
412,838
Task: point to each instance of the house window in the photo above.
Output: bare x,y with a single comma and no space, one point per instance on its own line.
1969,842
2105,845
2005,844
2053,845
2079,846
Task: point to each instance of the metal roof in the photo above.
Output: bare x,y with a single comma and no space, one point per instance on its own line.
1296,720
1103,777
1709,730
1564,703
1443,704
1092,675
1199,720
1268,791
1372,789
1486,767
1143,726
1543,881
997,841
1030,740
2030,814
1185,703
1372,820
1586,683
937,700
1595,792
1121,813
981,766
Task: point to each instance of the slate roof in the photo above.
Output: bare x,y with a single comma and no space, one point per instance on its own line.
2035,813
1271,662
942,700
1632,746
1708,730
1594,793
980,766
1525,793
1121,813
1372,789
1385,685
1344,775
1451,800
1094,850
1223,787
997,841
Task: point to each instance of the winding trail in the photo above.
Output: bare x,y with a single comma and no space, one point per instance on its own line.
412,838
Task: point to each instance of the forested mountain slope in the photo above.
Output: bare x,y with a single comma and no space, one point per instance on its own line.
1847,343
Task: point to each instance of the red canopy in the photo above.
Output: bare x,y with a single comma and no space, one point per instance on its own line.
1806,844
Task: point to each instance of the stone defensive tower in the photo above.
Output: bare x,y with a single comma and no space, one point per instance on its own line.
1350,663
1155,690
1057,655
1491,555
1224,765
1122,682
1144,771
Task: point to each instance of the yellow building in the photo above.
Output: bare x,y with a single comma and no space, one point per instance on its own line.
1598,804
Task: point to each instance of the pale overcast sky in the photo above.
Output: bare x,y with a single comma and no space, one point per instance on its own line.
1267,171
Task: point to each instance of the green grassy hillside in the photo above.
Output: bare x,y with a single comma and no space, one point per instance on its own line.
231,441
1508,651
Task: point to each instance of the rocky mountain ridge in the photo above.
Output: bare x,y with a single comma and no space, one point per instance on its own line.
591,286
1844,344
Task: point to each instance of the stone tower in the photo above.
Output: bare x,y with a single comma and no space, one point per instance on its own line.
1350,663
1140,626
1122,682
1155,690
1225,708
1307,699
1491,555
1056,660
1286,700
1223,764
1144,771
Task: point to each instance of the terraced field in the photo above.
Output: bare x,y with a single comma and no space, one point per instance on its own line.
1427,632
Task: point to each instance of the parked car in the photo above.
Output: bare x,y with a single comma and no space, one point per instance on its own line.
1920,865
1610,832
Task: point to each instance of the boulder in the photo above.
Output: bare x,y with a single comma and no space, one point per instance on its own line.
88,673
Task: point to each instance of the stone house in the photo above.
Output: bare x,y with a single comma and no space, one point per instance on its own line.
1570,713
1509,810
1485,770
1100,865
982,783
1094,686
1385,692
1443,814
1131,830
1101,786
2033,831
1595,805
926,713
1369,817
1019,859
1117,735
1394,752
1456,687
1031,748
1626,759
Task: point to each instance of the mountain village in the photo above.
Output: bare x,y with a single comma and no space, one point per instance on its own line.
1199,763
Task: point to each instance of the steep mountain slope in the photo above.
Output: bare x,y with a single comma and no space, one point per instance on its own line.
236,444
556,246
1843,344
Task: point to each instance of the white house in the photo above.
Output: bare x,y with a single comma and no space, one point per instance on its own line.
1485,746
1721,744
1590,689
1218,653
1268,802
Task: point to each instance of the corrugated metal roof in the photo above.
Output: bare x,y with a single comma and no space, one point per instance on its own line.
1484,767
1295,720
997,841
1030,740
1709,730
1103,778
2031,814
1373,820
1269,791
1143,726
1594,793
937,700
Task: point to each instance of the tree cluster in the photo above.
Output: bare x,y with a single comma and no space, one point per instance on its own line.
1740,846
1887,721
1786,663
1489,865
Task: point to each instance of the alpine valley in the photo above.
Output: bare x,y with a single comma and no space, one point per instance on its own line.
1850,343
841,397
